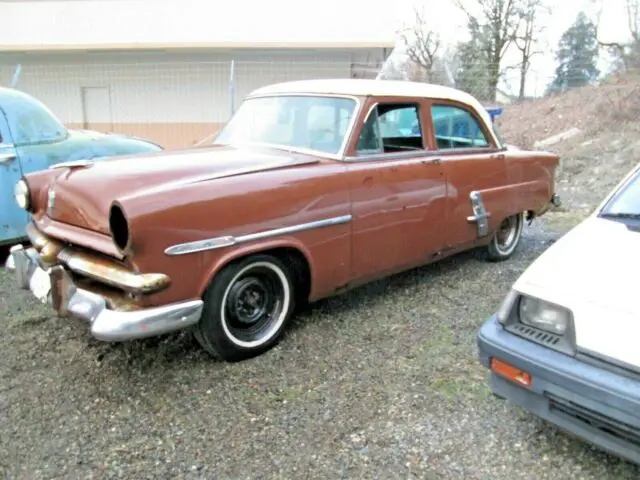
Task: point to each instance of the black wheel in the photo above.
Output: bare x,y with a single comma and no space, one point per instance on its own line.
506,239
246,308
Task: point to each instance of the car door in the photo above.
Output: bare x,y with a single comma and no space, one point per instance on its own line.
475,172
397,191
12,218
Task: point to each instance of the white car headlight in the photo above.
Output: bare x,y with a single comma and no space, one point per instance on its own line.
21,194
545,316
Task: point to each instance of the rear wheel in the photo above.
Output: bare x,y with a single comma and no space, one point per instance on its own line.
506,239
246,308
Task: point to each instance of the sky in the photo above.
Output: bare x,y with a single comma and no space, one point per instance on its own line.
613,27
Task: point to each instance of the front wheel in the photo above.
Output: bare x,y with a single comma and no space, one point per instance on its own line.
246,308
506,239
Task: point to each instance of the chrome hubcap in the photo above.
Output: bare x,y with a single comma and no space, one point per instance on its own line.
507,234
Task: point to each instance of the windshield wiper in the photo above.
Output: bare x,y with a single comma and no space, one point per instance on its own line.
634,216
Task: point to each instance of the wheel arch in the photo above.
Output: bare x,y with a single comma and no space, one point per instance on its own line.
290,251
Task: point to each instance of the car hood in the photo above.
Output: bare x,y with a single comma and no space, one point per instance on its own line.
84,193
591,270
105,144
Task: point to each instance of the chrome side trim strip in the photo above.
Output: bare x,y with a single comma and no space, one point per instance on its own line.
227,241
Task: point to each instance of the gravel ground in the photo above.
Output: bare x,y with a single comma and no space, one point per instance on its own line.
382,382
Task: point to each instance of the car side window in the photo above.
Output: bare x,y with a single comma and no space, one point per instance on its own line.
455,127
391,127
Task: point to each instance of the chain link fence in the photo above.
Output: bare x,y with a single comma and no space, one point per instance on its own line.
175,103
181,102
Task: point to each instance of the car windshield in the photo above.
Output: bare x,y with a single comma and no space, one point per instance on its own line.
626,202
305,122
32,122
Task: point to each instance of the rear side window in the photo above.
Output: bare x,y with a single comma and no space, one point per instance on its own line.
455,127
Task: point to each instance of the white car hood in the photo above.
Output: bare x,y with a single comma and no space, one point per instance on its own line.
593,270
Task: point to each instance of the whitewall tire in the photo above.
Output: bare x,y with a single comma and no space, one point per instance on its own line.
246,308
506,239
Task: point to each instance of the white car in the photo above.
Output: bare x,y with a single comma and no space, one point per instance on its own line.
565,344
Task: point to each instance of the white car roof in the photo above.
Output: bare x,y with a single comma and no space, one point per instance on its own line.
366,87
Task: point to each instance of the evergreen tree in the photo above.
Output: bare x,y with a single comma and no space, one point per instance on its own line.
577,56
473,72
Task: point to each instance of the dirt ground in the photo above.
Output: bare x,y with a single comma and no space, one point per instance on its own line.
381,382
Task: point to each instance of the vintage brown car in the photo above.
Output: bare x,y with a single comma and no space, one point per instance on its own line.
312,188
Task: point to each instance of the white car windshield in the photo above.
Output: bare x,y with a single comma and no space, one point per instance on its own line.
626,202
305,122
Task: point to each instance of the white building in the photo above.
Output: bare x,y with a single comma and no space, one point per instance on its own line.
172,71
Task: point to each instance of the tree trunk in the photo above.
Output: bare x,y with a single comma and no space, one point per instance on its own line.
523,79
494,78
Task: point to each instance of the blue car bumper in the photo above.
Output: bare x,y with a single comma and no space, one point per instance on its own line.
593,403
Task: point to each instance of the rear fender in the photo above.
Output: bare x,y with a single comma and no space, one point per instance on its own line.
532,176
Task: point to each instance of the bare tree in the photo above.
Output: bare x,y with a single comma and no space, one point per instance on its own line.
393,69
422,45
627,54
633,22
526,37
498,21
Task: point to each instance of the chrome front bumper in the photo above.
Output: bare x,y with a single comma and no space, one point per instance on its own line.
54,286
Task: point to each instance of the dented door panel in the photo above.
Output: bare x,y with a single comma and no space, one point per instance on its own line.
398,210
475,180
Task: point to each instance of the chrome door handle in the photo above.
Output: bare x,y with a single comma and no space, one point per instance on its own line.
7,157
432,161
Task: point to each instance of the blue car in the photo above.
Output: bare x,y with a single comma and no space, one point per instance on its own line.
32,138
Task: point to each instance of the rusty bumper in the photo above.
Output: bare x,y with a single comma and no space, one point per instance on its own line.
554,202
55,286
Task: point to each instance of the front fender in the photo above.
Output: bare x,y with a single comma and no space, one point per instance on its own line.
263,246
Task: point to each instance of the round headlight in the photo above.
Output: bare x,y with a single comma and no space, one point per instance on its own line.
21,194
119,227
545,316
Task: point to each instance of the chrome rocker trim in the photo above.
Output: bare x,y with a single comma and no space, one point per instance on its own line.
106,324
227,241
